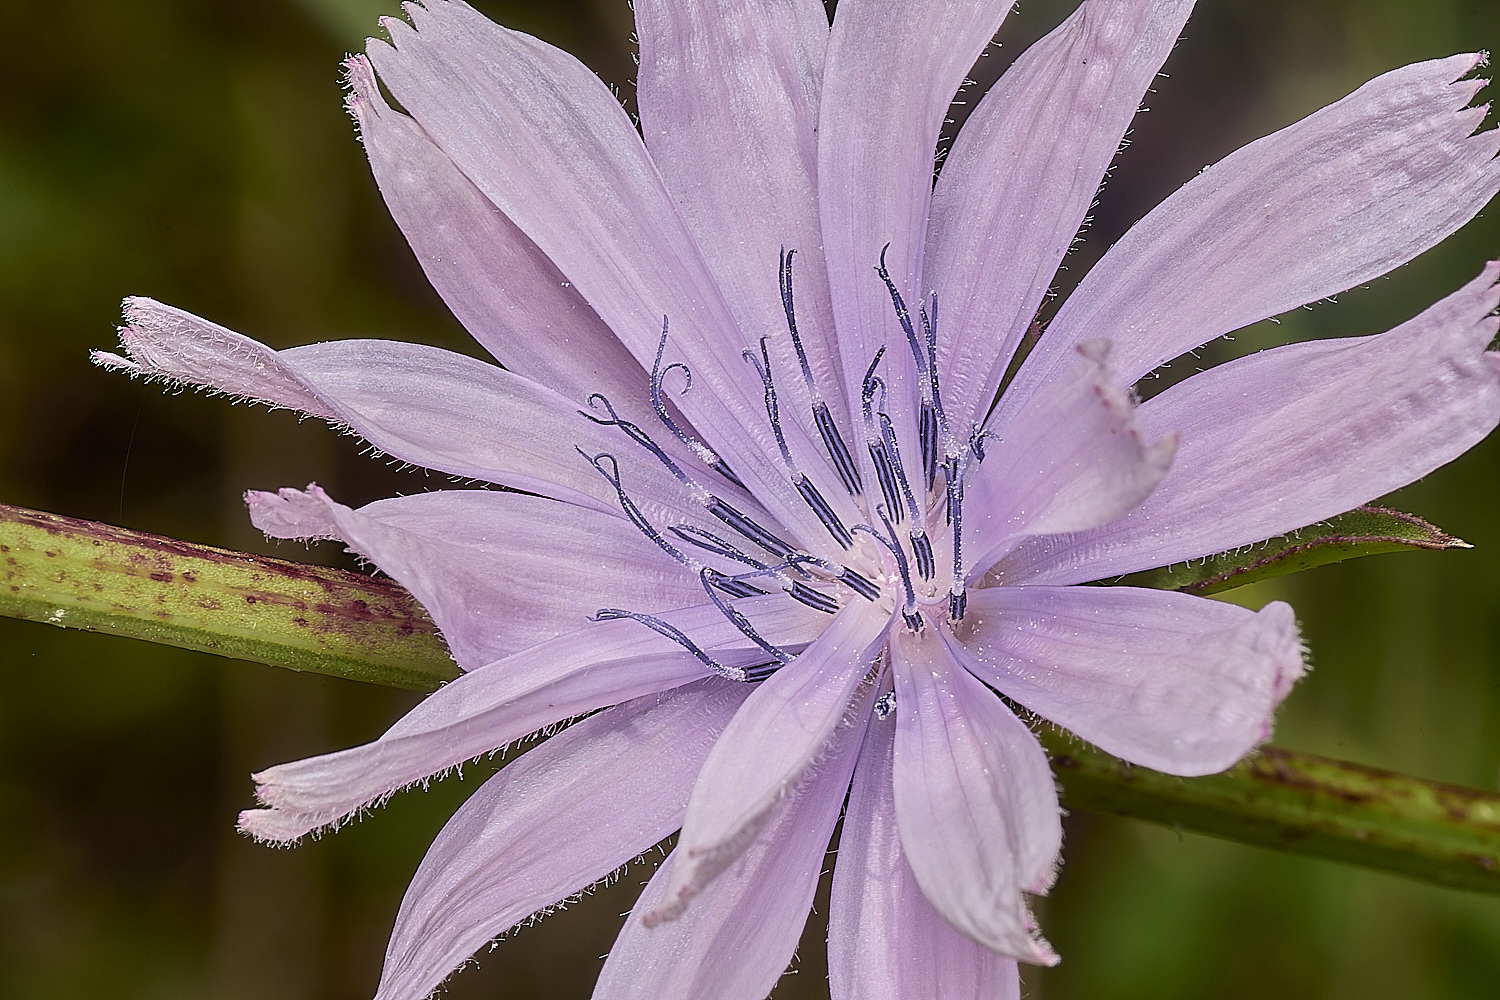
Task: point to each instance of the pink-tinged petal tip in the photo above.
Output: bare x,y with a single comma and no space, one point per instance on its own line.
290,513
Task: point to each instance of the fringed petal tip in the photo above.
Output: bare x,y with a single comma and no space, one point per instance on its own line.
363,99
293,514
278,822
694,869
1022,942
1474,60
114,363
359,82
1489,279
272,827
771,754
1041,952
1469,314
162,342
359,75
1273,634
137,311
1279,637
282,817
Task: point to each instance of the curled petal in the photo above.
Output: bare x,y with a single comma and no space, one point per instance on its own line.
507,700
1074,458
499,572
1021,176
552,823
975,802
1170,681
1341,197
777,735
1290,436
736,939
885,941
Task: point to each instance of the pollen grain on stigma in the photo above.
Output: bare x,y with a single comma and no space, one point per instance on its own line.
900,569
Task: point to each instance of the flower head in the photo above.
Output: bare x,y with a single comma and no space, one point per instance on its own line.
780,536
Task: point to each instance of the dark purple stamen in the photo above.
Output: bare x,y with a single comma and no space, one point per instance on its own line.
921,547
634,432
843,462
860,585
758,671
658,374
814,599
639,519
797,590
934,421
737,619
828,429
612,474
805,487
873,439
926,371
715,506
719,546
749,528
958,595
909,607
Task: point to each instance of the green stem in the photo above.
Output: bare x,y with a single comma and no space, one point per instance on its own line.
92,576
82,574
1302,804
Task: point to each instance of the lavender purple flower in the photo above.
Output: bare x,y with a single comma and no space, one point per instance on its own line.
781,536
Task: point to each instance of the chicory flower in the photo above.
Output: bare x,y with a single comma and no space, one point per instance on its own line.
773,530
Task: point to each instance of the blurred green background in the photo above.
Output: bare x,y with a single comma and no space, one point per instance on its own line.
196,151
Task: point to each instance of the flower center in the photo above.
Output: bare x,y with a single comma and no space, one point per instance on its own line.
897,563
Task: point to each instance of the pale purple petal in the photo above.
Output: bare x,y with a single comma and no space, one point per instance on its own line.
500,572
457,415
1170,681
1290,436
549,145
1022,175
892,72
426,406
729,111
505,291
1074,458
736,939
782,729
885,941
504,701
975,801
1343,196
562,817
